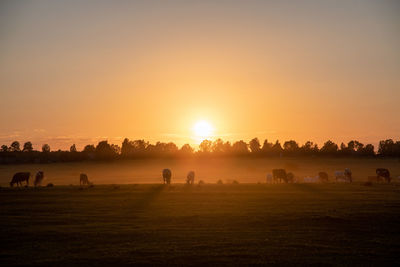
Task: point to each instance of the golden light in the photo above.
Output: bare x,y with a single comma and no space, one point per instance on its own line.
202,130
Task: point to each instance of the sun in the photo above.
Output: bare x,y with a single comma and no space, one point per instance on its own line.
202,130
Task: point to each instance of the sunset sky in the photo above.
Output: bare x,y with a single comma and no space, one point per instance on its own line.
84,71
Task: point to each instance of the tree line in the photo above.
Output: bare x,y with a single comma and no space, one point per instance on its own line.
131,149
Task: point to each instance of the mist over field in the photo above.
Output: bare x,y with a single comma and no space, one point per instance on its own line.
209,170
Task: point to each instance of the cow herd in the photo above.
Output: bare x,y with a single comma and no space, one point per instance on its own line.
20,177
280,175
277,176
167,174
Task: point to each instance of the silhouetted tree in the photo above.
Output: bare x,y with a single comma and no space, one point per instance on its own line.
89,149
116,148
386,148
127,148
205,146
141,148
186,149
134,148
368,150
291,147
15,146
266,148
72,149
309,148
254,145
28,147
218,146
240,147
46,148
105,151
171,148
276,149
329,148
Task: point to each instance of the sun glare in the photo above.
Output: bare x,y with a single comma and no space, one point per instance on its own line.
202,130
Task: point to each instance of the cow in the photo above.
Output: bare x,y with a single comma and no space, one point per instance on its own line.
383,174
39,178
190,177
279,175
83,179
345,175
323,177
20,177
166,173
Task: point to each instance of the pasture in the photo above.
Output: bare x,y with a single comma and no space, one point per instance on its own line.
285,224
243,170
128,217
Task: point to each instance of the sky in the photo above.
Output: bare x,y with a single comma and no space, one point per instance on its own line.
84,71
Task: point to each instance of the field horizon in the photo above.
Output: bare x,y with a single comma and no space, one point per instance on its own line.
243,170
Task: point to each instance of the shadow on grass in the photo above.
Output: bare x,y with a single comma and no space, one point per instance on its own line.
148,197
309,188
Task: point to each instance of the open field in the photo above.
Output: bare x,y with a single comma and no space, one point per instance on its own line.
289,224
244,170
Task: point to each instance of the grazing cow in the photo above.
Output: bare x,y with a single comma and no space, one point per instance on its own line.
20,177
83,179
39,178
345,175
166,173
348,175
323,177
190,178
269,178
382,173
279,175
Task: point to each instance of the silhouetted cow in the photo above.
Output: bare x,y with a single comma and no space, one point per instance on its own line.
382,173
279,175
39,178
190,178
166,173
323,177
83,179
345,175
20,177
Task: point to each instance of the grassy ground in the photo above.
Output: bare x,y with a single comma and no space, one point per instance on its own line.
244,170
313,224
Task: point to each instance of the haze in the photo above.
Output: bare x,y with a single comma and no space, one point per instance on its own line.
84,71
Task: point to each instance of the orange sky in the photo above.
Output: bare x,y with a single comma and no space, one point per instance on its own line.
78,72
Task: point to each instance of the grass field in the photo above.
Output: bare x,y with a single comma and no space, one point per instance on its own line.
285,224
244,170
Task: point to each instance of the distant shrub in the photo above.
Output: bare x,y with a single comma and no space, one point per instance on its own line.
235,182
220,181
201,182
50,185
